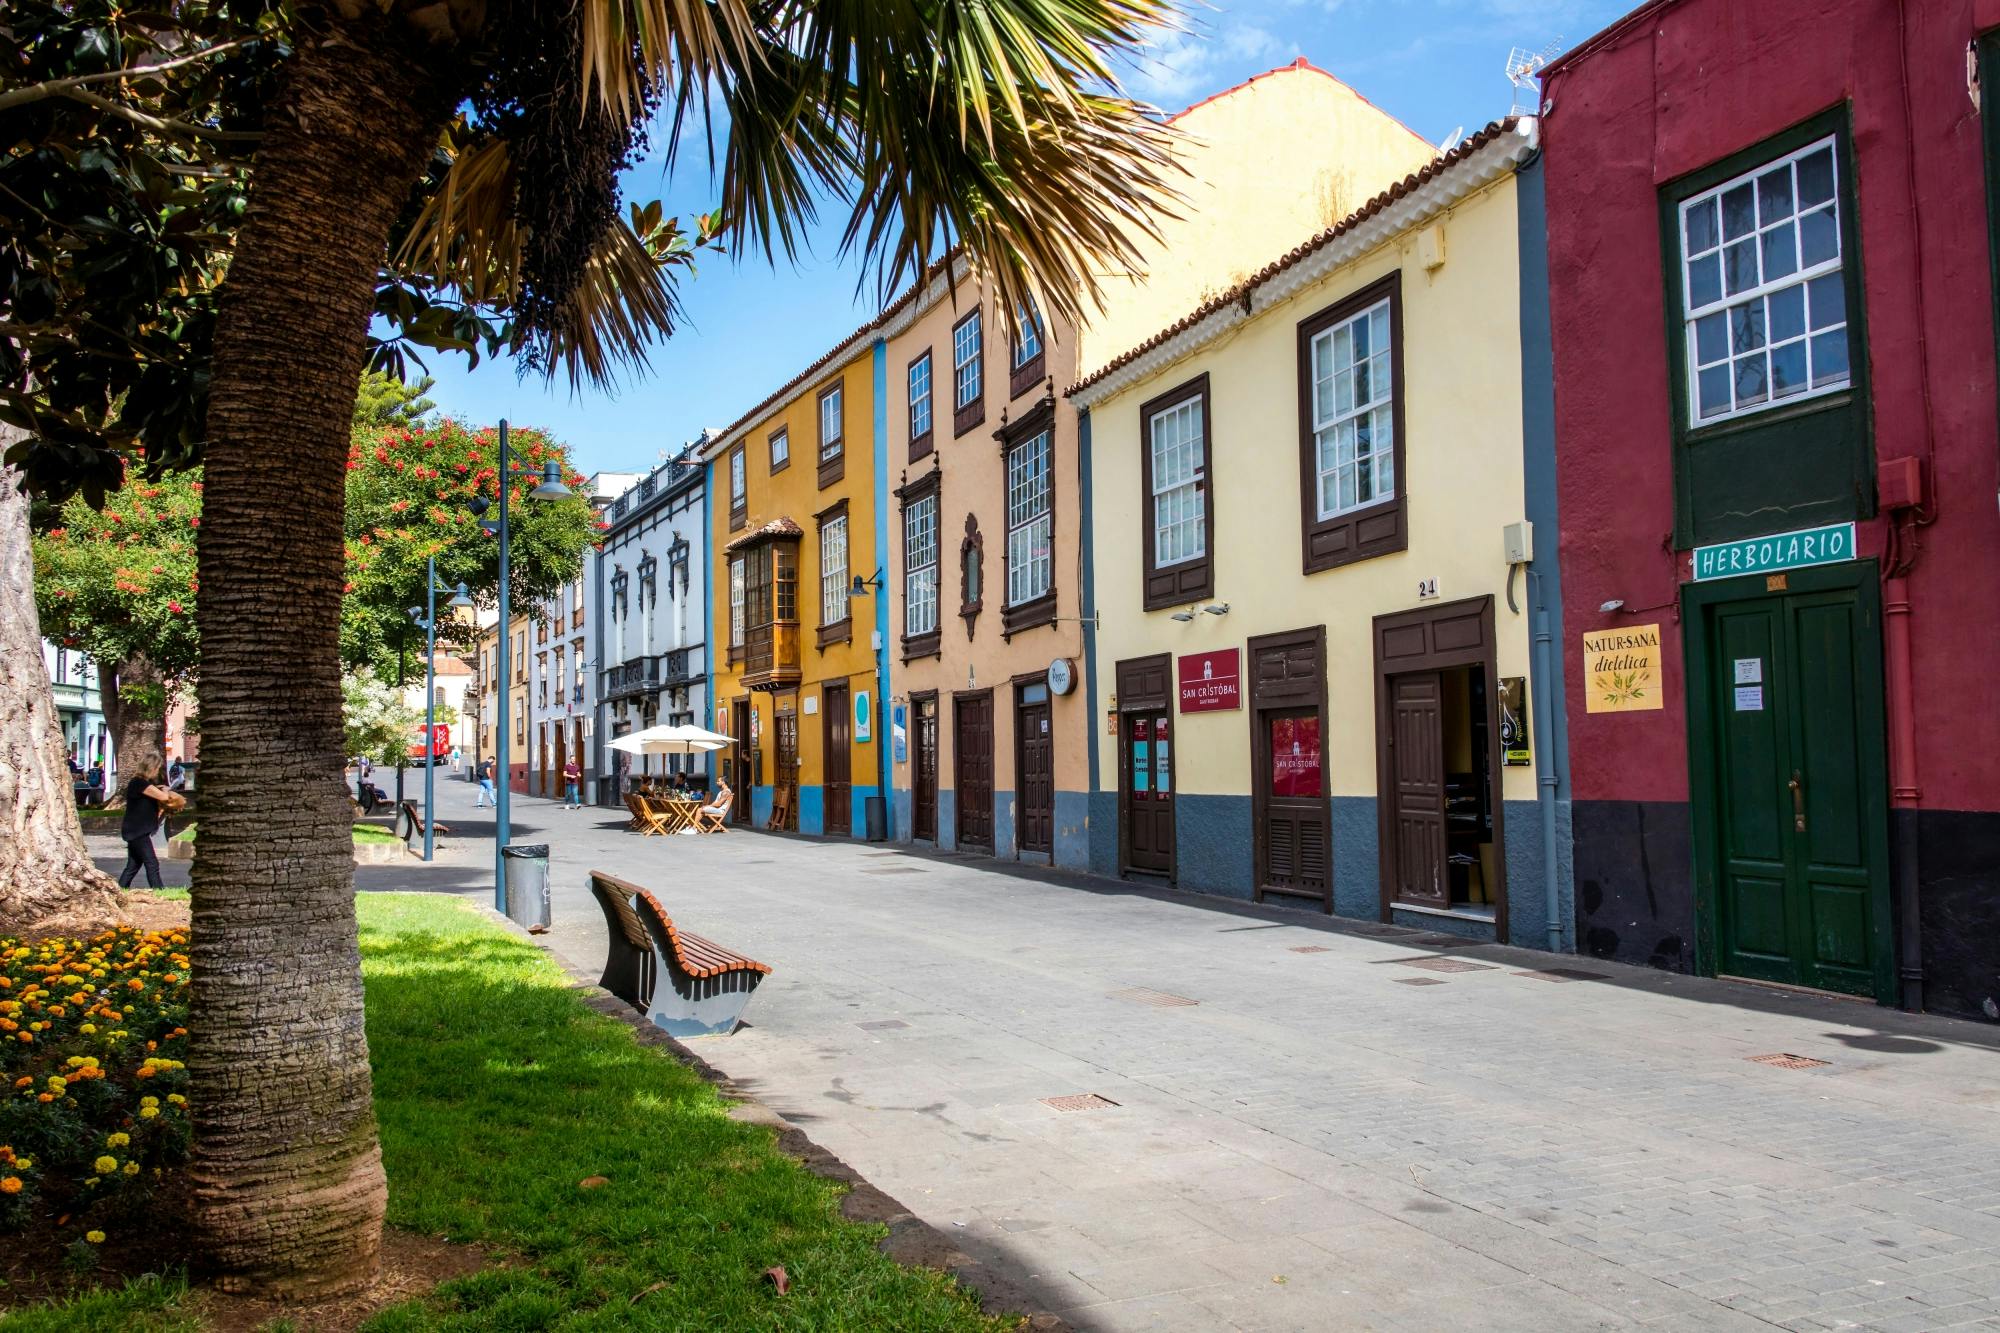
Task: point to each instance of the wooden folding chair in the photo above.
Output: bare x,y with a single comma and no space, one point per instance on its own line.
646,819
711,818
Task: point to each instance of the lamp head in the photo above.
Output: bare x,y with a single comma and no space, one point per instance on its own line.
552,487
1217,608
461,601
1184,616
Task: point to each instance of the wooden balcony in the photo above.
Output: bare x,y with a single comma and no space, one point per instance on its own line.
771,656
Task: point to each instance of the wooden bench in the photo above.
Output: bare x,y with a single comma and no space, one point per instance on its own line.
698,989
630,970
415,819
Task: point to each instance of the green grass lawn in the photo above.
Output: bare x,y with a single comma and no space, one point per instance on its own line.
369,833
498,1091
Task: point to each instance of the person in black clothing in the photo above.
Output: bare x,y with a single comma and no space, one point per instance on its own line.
145,801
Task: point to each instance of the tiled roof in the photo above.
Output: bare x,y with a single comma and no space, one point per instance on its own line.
1242,291
449,666
777,527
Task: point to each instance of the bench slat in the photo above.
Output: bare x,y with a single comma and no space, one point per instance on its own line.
696,955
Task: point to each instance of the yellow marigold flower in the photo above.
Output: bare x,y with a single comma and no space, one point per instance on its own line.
24,1162
148,1112
104,1166
94,1237
57,1083
177,1099
117,1140
131,1168
149,1101
88,1029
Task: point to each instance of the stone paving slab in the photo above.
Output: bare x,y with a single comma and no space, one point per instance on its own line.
1311,1145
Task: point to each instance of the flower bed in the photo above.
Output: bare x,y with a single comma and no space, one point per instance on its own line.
93,1094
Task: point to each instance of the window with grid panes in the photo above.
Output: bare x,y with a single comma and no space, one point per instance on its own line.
833,571
1030,531
829,423
920,397
1030,345
736,604
1764,298
965,366
920,566
1180,529
1354,432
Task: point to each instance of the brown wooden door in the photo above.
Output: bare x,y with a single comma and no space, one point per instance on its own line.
1416,737
924,782
1034,769
541,786
559,788
1146,758
1291,774
836,722
786,779
972,747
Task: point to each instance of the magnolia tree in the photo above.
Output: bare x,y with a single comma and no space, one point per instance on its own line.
378,720
119,584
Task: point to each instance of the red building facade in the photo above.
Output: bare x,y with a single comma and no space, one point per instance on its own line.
1772,299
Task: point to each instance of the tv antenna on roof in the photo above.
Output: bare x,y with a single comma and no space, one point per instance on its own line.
1524,69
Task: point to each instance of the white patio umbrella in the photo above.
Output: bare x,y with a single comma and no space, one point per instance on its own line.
688,739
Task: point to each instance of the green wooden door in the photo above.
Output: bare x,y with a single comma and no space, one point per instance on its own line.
1796,802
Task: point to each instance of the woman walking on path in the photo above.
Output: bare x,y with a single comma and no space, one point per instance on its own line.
145,800
573,793
486,796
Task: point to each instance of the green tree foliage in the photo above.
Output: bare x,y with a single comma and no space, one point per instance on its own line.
408,492
380,724
119,583
387,401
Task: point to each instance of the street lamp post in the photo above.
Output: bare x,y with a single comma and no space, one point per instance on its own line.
551,488
428,623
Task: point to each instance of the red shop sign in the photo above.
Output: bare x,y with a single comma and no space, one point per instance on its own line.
1211,682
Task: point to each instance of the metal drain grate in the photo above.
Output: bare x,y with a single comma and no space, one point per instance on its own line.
1786,1060
1420,981
1079,1101
1159,999
882,1025
1563,974
1310,948
1443,964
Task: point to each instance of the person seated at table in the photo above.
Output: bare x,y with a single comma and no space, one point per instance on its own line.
716,808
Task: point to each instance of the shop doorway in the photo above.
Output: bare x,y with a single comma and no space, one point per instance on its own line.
924,780
1291,813
972,752
562,759
785,780
1034,768
1145,766
739,766
1791,810
1438,762
836,731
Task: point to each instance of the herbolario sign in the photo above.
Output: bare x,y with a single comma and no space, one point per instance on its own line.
1768,555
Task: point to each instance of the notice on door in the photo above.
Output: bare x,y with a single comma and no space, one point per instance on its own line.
1514,721
1621,670
1749,698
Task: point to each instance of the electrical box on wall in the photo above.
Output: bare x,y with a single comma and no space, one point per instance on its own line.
1518,542
1430,247
1899,482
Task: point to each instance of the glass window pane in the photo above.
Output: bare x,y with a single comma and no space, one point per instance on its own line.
1774,195
1746,326
1739,212
1739,266
1378,320
1750,387
1713,390
1819,238
1786,310
1385,466
1704,281
1711,341
1788,369
1698,226
1816,177
1364,385
1781,256
1829,358
1829,301
1343,393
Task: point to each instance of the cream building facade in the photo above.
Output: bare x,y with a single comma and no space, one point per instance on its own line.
1311,673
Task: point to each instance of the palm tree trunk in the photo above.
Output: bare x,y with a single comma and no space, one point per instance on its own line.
47,879
288,1189
138,733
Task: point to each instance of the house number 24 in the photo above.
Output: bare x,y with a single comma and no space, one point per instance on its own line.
1426,588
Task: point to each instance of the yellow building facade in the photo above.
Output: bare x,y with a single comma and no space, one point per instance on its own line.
1310,673
794,494
987,549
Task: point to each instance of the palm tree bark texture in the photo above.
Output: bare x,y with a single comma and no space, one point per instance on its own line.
47,879
288,1191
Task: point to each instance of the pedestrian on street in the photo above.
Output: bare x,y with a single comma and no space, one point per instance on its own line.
145,802
454,759
572,777
486,796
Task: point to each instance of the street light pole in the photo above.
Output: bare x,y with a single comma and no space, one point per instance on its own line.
506,669
430,700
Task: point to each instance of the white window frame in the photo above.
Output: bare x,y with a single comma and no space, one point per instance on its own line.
1195,484
920,566
738,482
1379,410
833,571
920,397
1030,509
781,448
1758,296
1030,345
967,344
830,446
736,606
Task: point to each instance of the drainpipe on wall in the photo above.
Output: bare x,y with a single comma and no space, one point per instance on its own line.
1903,787
1544,715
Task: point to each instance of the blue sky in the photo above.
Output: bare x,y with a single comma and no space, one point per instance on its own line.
1436,64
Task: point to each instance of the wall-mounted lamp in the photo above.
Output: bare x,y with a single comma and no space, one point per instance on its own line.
1184,616
1217,608
860,586
1615,604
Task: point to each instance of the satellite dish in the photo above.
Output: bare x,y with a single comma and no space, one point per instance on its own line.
1451,141
1524,68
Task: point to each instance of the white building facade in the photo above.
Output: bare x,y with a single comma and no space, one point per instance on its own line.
649,619
74,680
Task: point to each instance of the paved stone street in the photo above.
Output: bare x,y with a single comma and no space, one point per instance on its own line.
1317,1126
